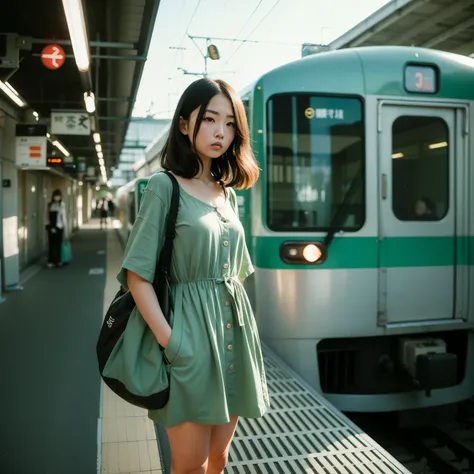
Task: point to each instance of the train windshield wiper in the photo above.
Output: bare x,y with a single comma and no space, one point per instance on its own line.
341,212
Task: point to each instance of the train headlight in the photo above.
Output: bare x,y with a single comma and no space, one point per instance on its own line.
303,252
312,253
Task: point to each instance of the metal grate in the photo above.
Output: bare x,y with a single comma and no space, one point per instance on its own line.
303,433
336,369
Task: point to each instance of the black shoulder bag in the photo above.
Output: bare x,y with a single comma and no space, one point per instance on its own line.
116,321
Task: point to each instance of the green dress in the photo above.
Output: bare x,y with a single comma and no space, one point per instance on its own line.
215,355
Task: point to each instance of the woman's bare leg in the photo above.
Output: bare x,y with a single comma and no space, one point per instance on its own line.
221,438
189,443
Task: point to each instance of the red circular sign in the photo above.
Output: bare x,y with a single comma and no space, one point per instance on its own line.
53,56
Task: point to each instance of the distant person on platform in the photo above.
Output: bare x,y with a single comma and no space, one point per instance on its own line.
111,205
56,226
103,212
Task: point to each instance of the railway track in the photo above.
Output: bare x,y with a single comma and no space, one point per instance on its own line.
442,448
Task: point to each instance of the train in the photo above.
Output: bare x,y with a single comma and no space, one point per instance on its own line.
360,224
127,197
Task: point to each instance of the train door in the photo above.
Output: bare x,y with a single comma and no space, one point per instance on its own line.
423,191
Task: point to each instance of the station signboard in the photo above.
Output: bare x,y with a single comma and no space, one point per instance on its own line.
30,146
65,122
55,161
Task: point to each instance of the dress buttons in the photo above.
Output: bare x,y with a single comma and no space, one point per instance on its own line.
230,347
226,265
227,303
228,325
231,367
225,243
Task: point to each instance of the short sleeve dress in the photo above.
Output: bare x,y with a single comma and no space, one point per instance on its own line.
216,361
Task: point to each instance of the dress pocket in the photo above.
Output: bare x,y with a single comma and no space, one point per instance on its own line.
174,344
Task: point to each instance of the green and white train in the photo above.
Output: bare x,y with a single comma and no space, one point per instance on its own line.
360,226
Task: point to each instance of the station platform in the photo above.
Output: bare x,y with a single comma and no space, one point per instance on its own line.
58,417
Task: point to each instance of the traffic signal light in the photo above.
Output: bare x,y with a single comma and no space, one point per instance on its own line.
213,52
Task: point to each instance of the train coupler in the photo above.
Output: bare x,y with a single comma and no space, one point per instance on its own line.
428,363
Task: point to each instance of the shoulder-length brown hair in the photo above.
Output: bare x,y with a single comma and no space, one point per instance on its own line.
237,167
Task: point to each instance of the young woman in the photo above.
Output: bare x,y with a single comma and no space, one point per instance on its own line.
56,225
213,346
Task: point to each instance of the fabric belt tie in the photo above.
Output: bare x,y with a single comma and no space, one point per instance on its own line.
236,292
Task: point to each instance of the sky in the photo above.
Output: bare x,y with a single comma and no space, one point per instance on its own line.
274,30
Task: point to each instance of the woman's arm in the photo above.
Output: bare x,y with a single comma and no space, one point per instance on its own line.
145,298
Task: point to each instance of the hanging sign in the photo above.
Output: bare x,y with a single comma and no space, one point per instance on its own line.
31,145
55,161
70,123
53,56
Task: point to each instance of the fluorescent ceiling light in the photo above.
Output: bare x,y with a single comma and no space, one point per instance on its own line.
89,101
438,145
100,154
96,137
12,88
98,148
398,155
77,31
12,93
60,147
101,162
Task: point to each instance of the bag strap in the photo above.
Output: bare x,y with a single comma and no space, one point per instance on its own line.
164,260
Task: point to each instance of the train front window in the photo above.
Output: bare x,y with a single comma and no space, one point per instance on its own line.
315,155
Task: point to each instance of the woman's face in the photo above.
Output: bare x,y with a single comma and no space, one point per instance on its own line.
217,130
57,198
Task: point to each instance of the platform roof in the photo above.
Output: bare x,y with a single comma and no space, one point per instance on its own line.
119,33
446,25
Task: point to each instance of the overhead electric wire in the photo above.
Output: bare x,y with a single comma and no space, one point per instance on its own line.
184,35
247,22
187,28
252,32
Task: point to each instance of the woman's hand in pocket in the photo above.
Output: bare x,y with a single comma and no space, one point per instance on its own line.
164,341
